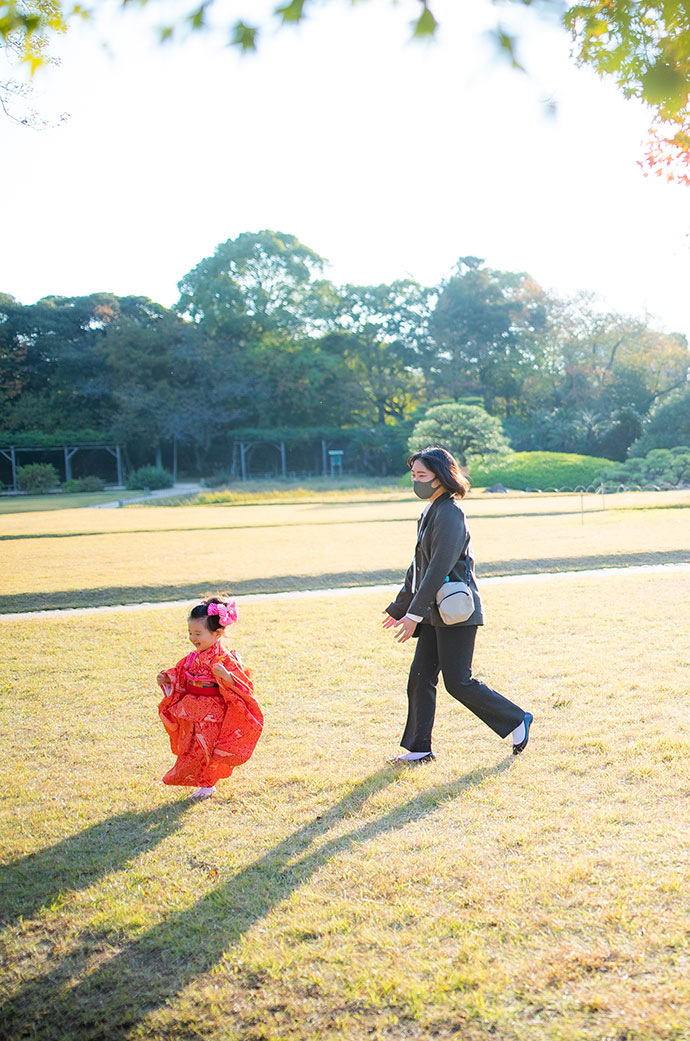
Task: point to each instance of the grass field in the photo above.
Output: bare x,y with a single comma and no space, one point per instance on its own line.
325,894
43,503
78,558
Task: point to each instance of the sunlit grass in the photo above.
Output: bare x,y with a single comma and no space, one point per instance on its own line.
330,489
325,894
77,558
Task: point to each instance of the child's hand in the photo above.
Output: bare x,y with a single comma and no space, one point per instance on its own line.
161,678
221,673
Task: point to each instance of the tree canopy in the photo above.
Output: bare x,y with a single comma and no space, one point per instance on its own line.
261,341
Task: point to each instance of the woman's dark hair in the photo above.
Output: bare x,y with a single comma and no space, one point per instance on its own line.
445,466
201,611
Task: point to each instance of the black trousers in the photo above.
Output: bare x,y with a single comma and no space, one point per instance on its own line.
450,650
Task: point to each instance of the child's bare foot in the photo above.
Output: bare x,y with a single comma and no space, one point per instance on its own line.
204,793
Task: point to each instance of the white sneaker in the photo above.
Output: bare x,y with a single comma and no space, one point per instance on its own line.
204,793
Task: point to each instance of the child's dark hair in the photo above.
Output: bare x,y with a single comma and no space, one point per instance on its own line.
445,466
201,611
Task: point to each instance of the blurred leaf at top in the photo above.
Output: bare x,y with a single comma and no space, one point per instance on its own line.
644,47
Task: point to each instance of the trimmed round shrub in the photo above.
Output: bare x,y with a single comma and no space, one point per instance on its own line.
541,470
152,477
468,431
84,484
37,477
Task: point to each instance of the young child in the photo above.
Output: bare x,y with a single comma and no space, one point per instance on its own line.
208,708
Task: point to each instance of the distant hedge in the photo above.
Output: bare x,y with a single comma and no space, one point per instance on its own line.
39,439
542,470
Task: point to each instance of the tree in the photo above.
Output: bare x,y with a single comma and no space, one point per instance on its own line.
384,338
16,98
468,431
605,360
486,325
52,374
256,283
599,374
667,426
151,373
645,48
262,311
297,381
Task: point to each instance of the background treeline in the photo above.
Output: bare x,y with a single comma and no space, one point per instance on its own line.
260,339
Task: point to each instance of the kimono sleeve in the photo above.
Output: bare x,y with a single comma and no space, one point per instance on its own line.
173,684
243,721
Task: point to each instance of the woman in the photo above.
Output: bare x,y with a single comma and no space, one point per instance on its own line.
443,551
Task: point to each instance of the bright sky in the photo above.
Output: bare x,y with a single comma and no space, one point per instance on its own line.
391,159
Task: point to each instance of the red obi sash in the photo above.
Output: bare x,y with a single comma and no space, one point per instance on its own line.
199,685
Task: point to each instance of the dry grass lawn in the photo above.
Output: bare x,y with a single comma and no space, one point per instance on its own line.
325,894
90,557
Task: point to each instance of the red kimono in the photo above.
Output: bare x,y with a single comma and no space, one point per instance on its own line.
212,726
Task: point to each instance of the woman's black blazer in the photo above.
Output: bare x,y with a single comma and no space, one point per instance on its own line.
443,548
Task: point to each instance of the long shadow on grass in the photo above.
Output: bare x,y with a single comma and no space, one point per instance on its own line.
109,1003
35,881
111,595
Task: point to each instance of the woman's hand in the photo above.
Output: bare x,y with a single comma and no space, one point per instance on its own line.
405,626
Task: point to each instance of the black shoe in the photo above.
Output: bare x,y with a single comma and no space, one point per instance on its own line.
523,744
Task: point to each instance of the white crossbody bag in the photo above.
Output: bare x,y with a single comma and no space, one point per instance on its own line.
455,602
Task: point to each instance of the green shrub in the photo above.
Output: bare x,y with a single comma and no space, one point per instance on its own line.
152,477
37,477
660,466
84,484
218,479
468,431
542,470
667,425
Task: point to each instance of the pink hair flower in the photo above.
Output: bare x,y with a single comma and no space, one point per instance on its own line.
227,613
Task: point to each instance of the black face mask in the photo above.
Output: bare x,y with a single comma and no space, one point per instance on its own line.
423,489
